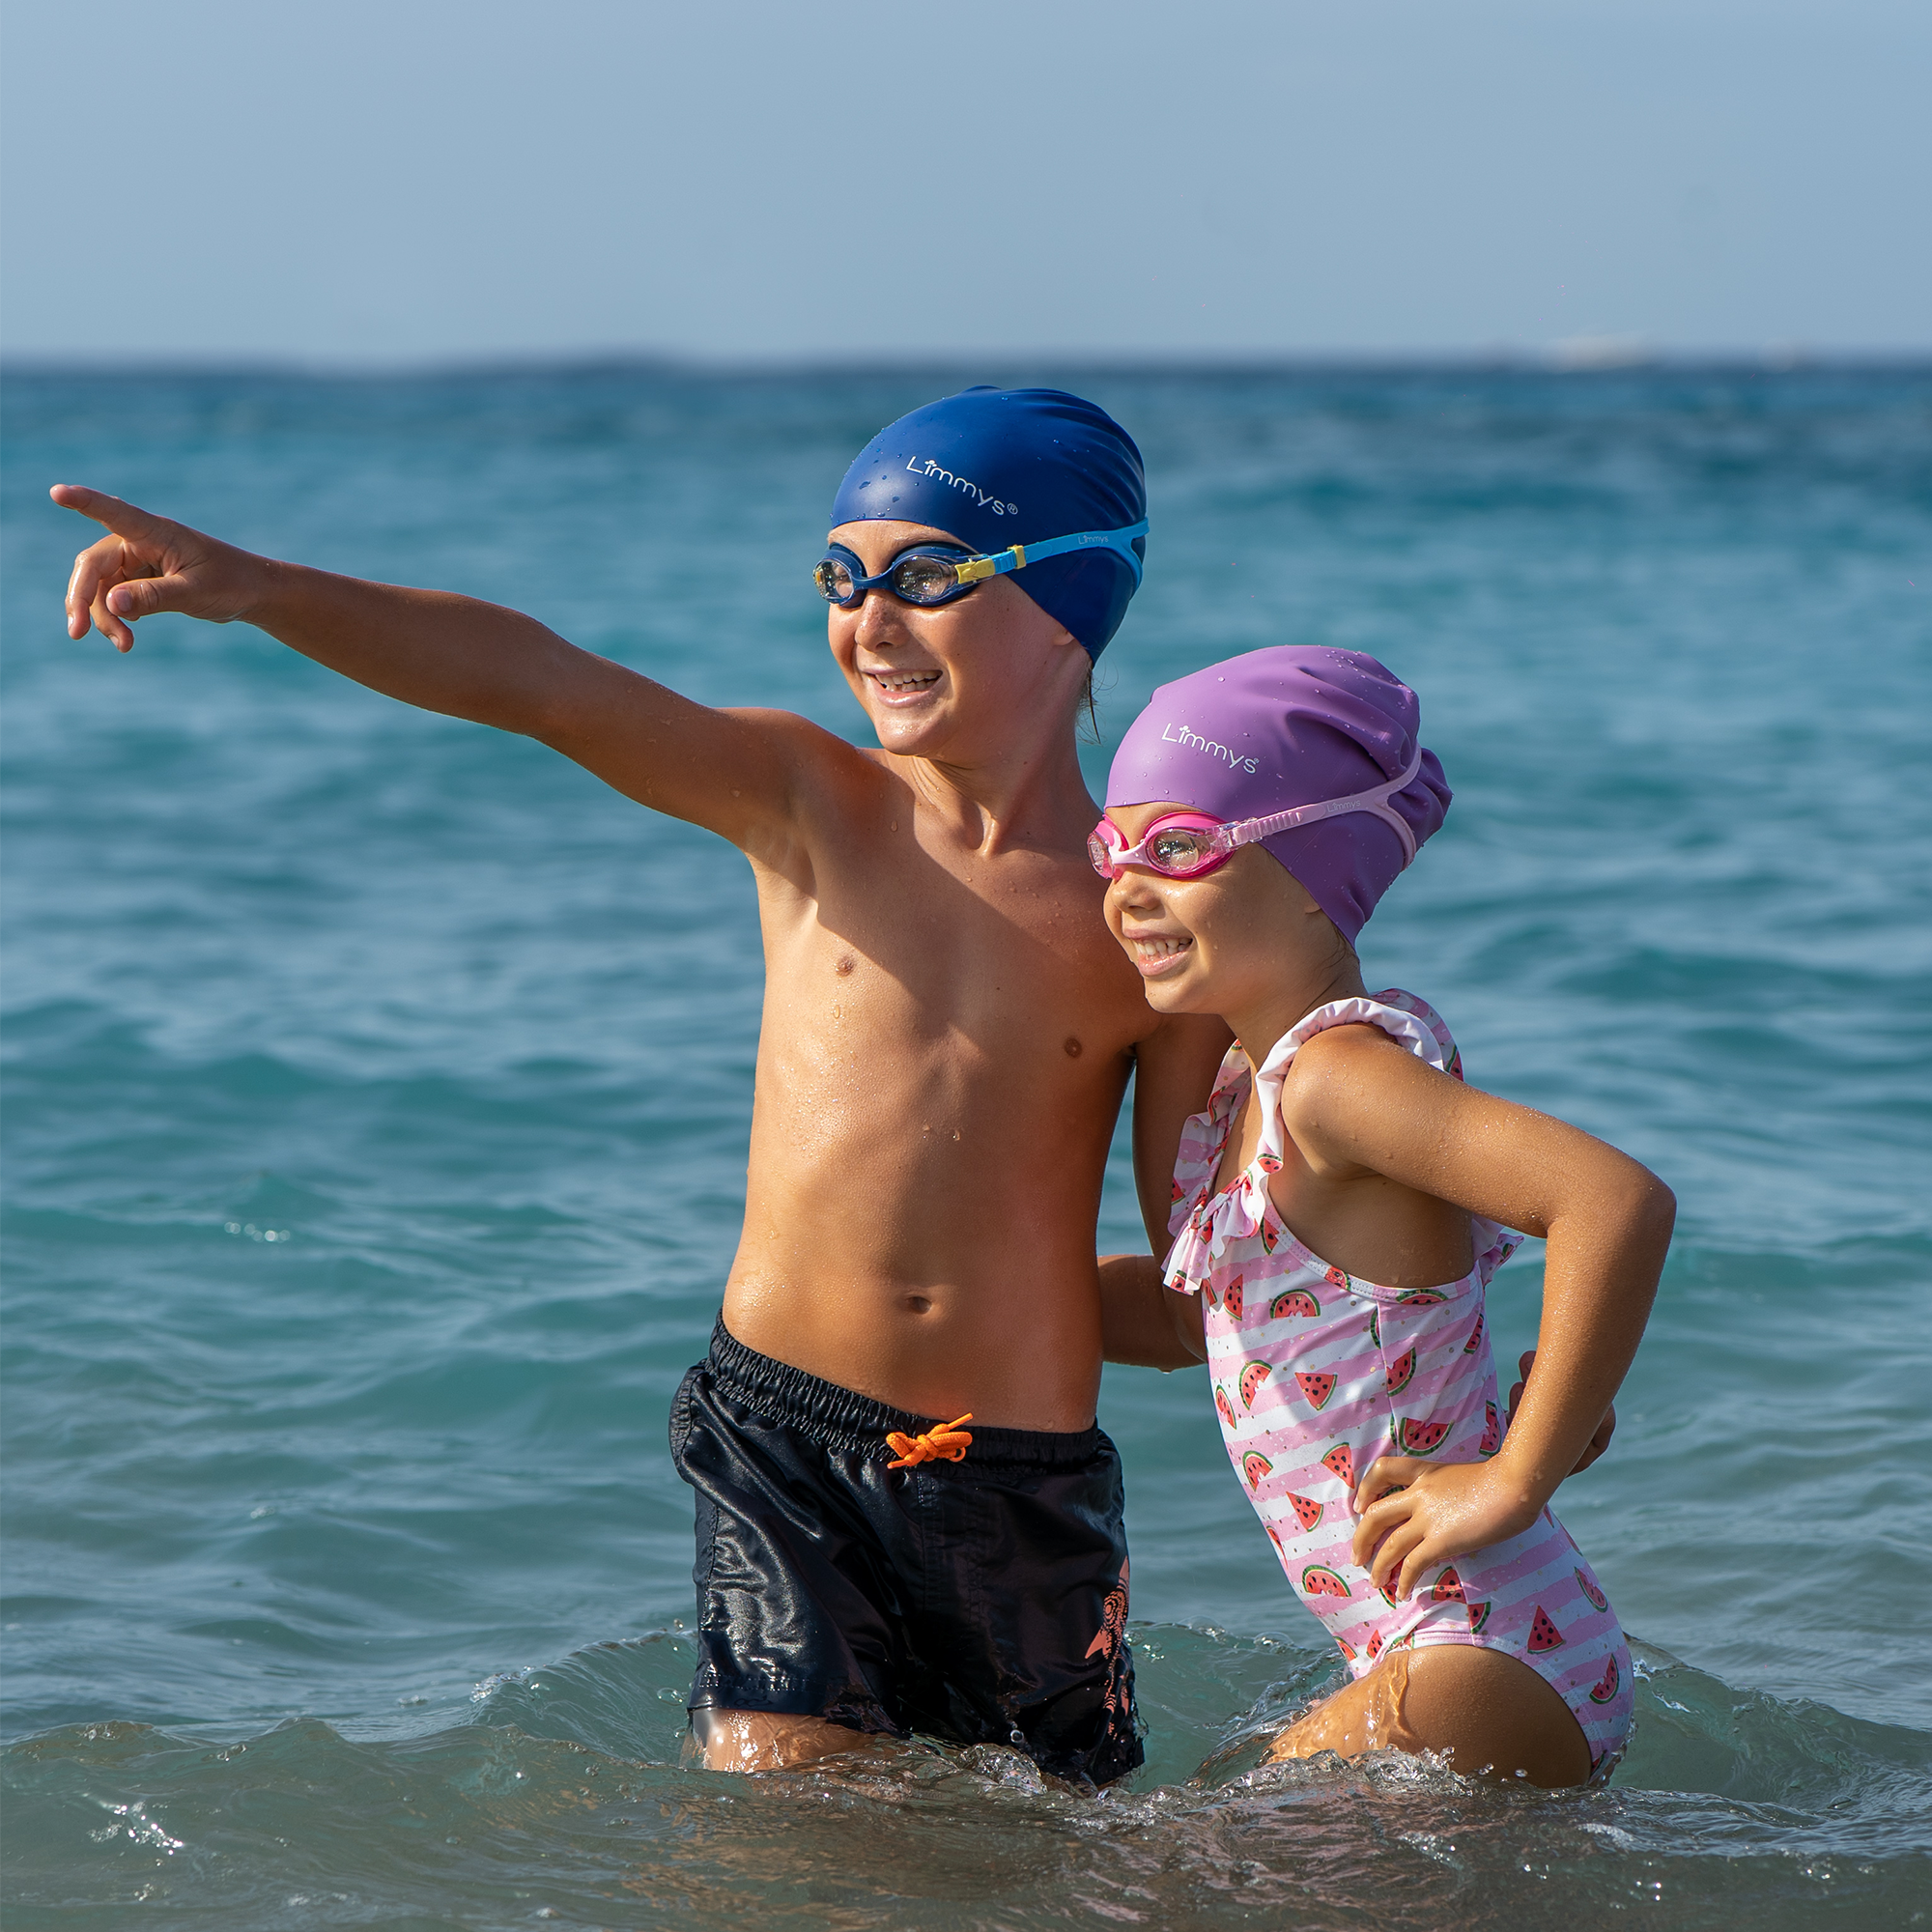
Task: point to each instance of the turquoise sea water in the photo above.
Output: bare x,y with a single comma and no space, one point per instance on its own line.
376,1112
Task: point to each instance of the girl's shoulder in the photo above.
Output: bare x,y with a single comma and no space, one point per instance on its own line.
1411,1023
1400,1017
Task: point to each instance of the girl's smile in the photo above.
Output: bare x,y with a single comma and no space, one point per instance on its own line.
1244,939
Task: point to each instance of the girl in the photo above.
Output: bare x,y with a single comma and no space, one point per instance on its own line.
1339,1210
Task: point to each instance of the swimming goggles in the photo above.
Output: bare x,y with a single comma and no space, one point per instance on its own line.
933,572
1191,844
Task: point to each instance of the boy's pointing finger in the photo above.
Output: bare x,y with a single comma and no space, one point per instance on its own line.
124,519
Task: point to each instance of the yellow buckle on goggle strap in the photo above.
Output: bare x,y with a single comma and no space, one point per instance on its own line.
977,567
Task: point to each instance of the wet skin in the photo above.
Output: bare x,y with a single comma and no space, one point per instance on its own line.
947,1026
947,1032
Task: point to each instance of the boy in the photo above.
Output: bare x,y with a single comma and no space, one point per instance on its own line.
948,1032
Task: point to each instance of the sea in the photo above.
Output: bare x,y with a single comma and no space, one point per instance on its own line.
376,1099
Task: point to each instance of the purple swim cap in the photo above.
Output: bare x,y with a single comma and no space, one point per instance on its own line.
1291,725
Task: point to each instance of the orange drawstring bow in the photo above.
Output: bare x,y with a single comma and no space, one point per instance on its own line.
947,1443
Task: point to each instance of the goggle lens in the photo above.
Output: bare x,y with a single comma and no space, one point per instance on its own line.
923,576
925,579
1180,852
1175,851
833,579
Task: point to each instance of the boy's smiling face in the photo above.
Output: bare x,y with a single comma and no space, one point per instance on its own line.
949,680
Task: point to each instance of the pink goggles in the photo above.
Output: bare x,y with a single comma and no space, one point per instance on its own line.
1191,844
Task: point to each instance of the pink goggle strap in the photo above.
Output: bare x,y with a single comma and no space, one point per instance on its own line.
1374,802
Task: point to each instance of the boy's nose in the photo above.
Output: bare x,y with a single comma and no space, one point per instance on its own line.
880,622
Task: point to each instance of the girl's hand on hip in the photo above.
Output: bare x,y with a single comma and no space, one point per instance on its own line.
1415,1514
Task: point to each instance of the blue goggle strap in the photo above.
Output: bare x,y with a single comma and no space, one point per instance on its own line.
1121,542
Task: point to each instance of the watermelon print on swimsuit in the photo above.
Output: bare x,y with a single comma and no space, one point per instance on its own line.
1315,1389
1318,1373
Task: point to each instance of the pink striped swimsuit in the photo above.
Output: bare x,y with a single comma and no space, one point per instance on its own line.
1316,1374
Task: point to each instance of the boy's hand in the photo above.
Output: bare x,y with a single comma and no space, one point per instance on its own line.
1440,1510
1597,1443
147,564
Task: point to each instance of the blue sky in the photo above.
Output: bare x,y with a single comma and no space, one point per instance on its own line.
384,181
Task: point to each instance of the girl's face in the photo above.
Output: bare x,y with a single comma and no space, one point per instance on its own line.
1229,943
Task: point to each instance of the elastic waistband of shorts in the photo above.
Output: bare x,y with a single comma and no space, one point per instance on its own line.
841,1419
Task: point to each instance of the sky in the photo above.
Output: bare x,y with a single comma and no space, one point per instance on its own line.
388,182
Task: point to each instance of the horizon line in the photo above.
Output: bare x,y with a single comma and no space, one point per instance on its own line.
1574,356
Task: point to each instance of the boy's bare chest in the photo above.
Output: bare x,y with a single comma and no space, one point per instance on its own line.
1003,956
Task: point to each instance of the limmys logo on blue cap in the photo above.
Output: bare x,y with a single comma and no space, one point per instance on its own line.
937,472
999,467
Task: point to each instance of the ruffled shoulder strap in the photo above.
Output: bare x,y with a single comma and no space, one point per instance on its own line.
1411,1022
1203,1136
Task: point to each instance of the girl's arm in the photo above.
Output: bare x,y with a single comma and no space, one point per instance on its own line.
734,772
1363,1102
1144,1322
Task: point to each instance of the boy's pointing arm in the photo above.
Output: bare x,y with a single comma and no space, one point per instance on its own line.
732,771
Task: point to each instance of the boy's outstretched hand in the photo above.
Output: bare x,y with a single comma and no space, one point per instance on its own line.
146,564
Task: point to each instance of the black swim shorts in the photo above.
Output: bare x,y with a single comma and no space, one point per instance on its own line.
983,1600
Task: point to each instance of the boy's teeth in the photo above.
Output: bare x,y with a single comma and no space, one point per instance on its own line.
1157,949
916,680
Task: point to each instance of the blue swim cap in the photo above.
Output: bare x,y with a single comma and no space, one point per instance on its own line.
1001,467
